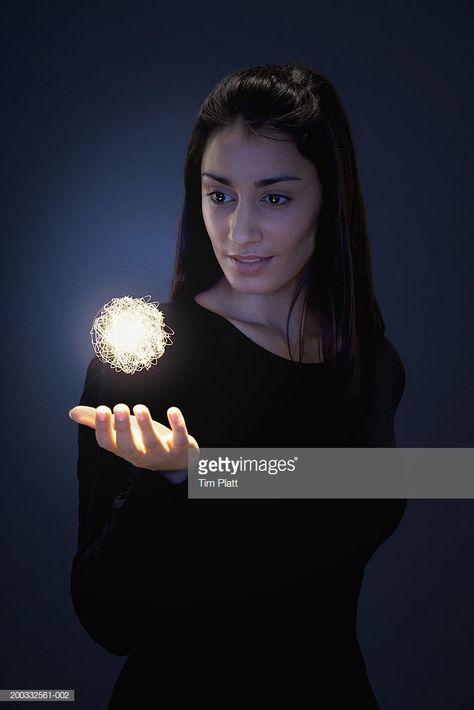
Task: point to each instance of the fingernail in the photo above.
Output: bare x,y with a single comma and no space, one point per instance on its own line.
177,417
102,416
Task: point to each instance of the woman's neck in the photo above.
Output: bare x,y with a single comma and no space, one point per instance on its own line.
263,318
267,310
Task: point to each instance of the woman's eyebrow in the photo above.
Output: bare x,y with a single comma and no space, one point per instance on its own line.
258,183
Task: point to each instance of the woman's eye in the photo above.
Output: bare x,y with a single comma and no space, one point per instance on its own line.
218,195
275,199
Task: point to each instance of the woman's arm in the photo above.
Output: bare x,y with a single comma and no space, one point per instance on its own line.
383,387
125,566
374,428
124,512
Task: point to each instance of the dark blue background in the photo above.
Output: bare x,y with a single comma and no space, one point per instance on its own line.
98,102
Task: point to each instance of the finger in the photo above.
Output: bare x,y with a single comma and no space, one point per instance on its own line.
126,444
150,437
104,429
83,415
178,426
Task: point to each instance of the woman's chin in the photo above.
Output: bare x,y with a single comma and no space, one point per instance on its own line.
254,286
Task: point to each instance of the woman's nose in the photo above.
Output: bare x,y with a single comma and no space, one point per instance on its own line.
243,225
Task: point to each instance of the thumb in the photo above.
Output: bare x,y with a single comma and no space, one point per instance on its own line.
178,426
83,415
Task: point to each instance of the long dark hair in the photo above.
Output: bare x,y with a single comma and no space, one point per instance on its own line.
336,284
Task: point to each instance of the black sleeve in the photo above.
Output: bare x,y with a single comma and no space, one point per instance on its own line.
383,385
116,563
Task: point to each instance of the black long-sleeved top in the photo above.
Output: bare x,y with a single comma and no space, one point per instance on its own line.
158,575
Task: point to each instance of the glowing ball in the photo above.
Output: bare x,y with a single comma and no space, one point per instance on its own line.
130,334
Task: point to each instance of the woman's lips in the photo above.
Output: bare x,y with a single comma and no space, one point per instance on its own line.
250,264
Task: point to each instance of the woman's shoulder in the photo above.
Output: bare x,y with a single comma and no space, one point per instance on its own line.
174,309
180,314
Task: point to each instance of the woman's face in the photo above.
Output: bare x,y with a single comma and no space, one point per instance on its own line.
261,201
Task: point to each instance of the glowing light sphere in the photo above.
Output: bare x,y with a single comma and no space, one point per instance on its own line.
130,334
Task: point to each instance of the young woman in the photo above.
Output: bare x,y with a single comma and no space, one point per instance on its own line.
279,341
